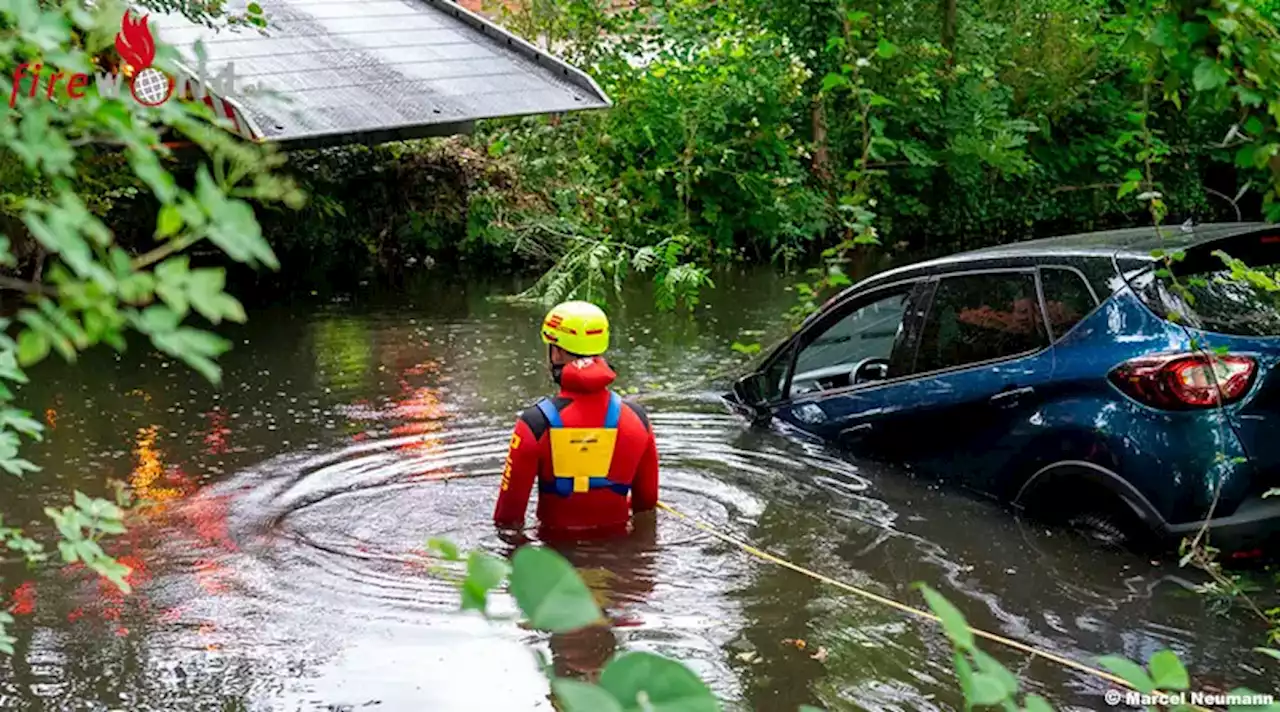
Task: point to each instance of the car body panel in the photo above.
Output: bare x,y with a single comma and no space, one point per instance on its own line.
1055,413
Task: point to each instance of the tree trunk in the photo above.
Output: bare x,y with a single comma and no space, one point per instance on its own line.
821,151
949,30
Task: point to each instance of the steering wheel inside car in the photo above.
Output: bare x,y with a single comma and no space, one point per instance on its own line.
869,369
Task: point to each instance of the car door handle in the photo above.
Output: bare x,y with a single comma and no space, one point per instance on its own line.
1010,398
856,432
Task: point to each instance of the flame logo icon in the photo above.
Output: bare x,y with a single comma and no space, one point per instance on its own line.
148,85
134,41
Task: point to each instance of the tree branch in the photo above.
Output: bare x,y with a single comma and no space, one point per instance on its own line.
18,285
1091,186
165,250
1224,196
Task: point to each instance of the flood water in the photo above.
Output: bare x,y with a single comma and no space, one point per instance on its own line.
282,568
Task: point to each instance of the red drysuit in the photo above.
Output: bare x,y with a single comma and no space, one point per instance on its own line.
584,402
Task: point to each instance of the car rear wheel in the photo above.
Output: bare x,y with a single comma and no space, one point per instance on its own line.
1099,526
1090,512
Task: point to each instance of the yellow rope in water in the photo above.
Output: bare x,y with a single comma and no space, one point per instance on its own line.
919,613
1009,642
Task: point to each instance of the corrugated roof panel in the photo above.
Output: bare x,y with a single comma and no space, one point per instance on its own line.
343,71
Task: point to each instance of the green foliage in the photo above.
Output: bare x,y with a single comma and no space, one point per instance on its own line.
550,593
984,681
81,527
64,163
554,598
787,131
644,682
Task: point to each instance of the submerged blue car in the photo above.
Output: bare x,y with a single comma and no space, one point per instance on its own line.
1073,377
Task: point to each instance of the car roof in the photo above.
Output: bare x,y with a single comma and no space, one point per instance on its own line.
1130,244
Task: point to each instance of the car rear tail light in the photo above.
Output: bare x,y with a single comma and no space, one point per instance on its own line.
1185,381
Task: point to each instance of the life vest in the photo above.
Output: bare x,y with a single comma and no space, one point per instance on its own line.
580,457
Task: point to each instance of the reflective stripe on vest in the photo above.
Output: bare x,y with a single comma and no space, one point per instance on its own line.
580,457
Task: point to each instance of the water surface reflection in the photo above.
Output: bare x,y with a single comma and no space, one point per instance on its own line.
280,563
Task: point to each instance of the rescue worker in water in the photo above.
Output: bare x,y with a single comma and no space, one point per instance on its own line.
592,454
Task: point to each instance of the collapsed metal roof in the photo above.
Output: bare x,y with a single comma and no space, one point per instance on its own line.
328,72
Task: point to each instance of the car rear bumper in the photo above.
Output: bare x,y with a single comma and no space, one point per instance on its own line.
1255,525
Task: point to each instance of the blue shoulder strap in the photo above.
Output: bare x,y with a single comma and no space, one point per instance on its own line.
549,410
611,417
615,411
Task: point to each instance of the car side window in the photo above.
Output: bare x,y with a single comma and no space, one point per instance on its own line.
980,317
1067,298
869,331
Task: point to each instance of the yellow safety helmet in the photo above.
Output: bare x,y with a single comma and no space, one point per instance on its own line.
577,327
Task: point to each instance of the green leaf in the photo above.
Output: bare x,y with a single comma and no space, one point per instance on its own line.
886,49
111,526
833,81
169,221
1036,703
484,573
992,667
964,674
1132,672
953,621
33,346
9,367
1209,75
577,696
204,286
444,548
987,690
157,319
644,682
45,328
1271,652
21,421
173,270
550,593
1167,672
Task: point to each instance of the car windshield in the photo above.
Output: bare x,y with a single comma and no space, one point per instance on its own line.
1218,301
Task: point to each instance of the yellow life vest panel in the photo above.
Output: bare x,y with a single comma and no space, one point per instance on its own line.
580,457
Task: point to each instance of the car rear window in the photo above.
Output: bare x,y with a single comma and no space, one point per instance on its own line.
980,317
1206,292
1067,298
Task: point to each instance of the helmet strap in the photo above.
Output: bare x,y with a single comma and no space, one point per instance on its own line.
557,369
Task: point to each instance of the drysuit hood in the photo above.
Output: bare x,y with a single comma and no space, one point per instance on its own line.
586,375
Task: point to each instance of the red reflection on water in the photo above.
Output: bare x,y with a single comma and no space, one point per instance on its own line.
173,510
210,575
421,407
216,439
23,599
418,407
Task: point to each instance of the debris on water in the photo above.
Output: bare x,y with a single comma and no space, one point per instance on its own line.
820,655
1011,571
750,656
